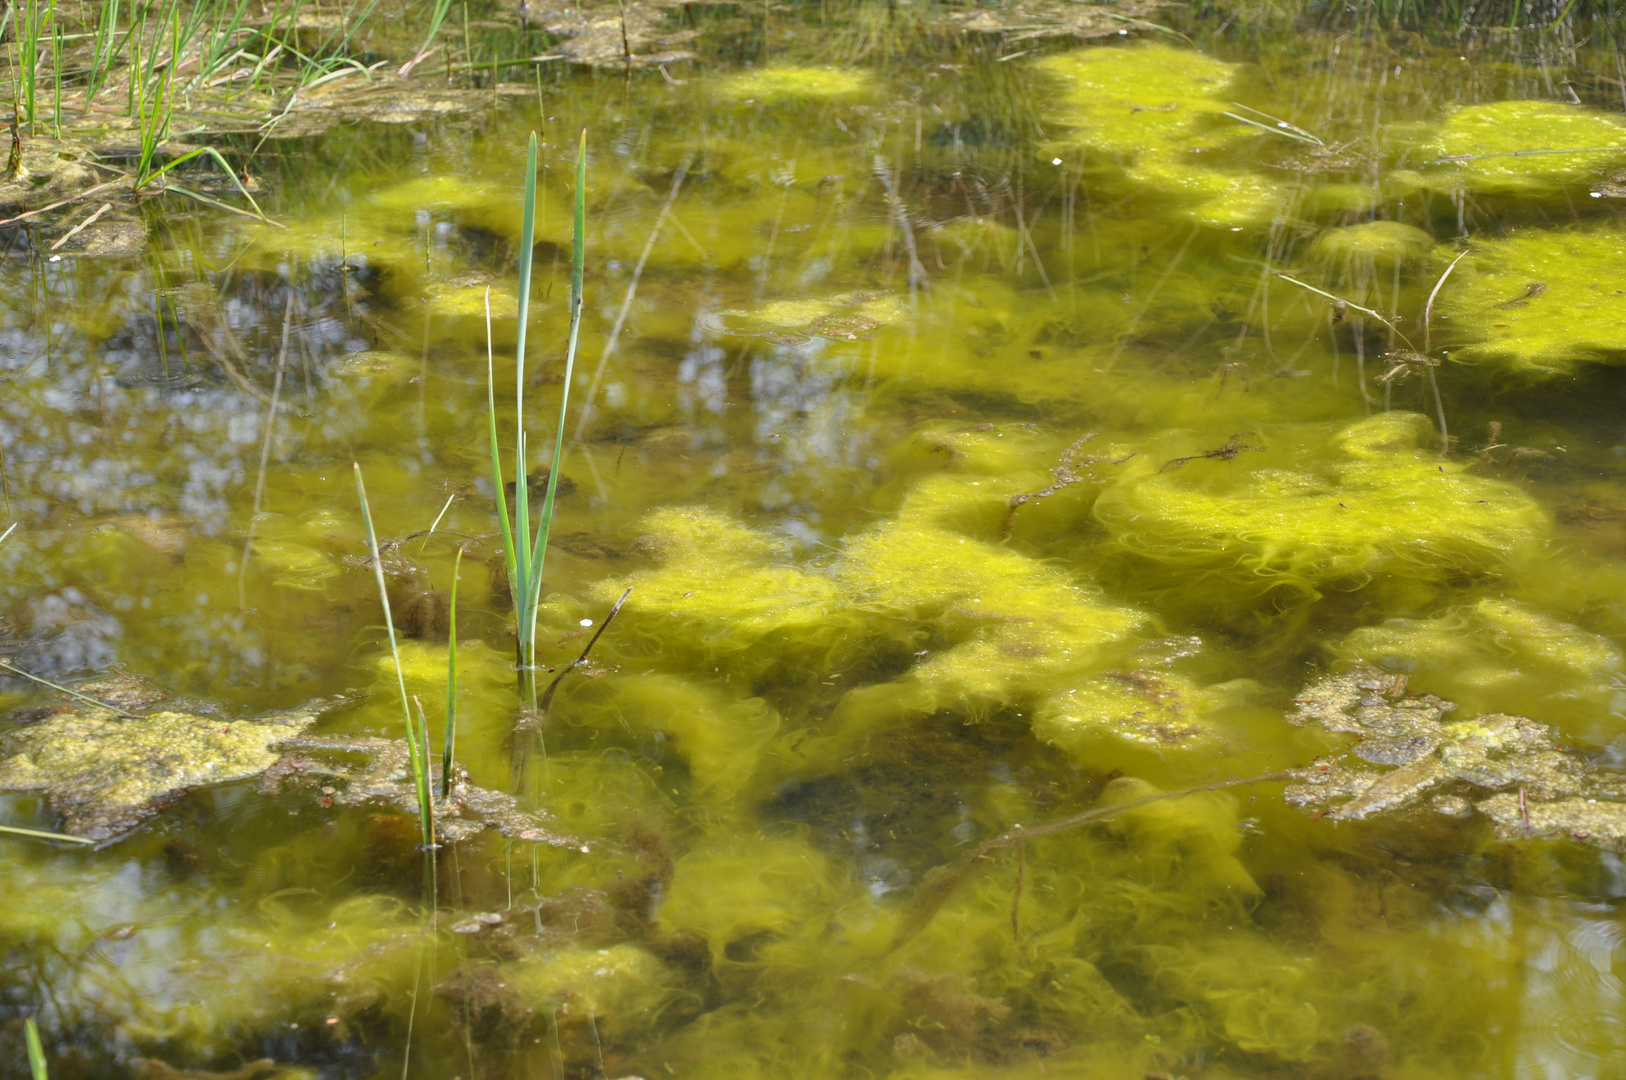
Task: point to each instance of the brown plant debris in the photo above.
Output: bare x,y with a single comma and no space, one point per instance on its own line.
1074,467
385,778
614,35
1035,19
1233,448
1408,749
106,774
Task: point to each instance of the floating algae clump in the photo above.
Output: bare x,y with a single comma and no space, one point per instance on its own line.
1014,623
1334,512
1150,106
1142,100
772,85
106,774
1497,654
1504,129
1407,748
1150,708
1542,302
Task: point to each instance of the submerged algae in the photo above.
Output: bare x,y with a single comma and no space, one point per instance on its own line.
1378,243
1339,509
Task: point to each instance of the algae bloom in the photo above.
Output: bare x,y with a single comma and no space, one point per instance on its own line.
1492,146
1542,302
774,85
1152,108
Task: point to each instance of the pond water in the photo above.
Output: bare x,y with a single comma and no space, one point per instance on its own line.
989,430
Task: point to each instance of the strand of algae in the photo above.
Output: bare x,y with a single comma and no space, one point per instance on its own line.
941,882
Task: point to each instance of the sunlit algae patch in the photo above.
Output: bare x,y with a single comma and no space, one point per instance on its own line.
1151,107
1503,128
1328,509
1541,302
1498,655
776,84
978,625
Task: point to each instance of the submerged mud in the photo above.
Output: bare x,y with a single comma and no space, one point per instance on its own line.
998,421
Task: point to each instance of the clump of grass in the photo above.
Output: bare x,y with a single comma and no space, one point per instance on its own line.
524,552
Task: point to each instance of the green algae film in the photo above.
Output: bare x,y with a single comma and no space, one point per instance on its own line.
971,466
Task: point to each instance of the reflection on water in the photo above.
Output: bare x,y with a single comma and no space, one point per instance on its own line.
986,438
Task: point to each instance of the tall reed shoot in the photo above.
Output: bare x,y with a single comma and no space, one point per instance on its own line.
524,551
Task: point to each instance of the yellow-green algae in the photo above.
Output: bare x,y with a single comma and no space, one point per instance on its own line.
789,322
783,83
1152,107
1540,302
998,628
1377,243
1497,655
1318,509
1502,130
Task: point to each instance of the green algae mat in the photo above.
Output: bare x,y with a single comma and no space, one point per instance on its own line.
1124,512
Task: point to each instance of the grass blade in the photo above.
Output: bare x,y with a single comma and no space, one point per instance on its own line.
522,501
578,249
15,670
12,830
505,528
36,1050
414,747
451,684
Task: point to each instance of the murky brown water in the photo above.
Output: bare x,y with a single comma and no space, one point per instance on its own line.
986,437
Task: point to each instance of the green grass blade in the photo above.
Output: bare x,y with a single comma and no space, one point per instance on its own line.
451,684
15,670
505,528
578,248
413,747
36,1050
12,830
420,777
522,501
